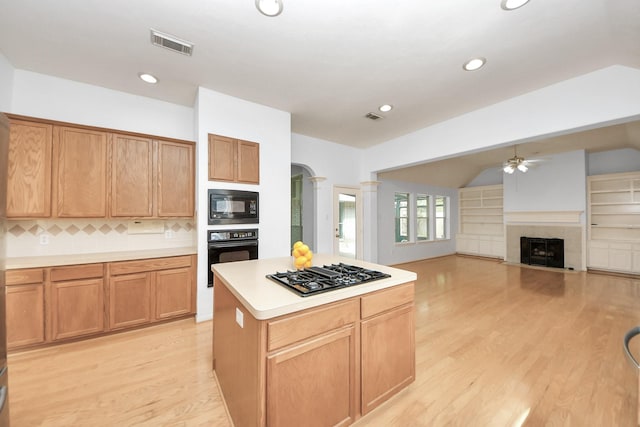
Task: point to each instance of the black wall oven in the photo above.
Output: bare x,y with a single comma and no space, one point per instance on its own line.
233,207
230,246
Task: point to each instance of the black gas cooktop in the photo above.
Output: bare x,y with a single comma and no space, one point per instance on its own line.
315,280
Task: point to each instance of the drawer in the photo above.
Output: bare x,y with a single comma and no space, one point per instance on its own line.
152,264
311,323
24,276
387,299
75,272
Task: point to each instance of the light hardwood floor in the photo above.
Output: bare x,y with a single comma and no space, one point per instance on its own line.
496,345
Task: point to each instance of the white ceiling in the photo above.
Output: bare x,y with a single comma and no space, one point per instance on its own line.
327,62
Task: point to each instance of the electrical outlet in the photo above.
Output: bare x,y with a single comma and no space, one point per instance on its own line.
44,239
168,234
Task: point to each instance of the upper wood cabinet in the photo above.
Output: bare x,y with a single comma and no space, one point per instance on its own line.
176,185
79,173
233,160
131,176
29,170
68,171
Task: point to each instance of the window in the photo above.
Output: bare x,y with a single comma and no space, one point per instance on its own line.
422,217
402,217
442,204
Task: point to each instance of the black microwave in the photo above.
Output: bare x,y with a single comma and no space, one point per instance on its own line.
233,207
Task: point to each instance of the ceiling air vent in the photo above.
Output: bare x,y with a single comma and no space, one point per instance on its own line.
172,43
373,116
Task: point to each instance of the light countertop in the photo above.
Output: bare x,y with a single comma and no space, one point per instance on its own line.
89,258
266,299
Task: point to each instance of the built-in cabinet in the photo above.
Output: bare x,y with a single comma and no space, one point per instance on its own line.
481,221
233,160
71,171
330,364
51,304
614,222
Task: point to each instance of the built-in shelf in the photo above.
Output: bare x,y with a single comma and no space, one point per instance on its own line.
481,221
614,222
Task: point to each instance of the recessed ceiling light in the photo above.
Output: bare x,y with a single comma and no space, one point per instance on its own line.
512,4
270,7
148,78
474,64
385,108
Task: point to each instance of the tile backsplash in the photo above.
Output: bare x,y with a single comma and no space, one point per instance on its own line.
72,236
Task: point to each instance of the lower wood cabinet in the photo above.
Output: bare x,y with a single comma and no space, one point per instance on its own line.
173,293
387,337
25,307
145,291
323,366
45,305
76,301
314,380
129,300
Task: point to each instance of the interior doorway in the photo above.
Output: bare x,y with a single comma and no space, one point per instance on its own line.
302,206
347,220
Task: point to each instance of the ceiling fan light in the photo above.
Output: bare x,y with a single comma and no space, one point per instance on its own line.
522,167
509,169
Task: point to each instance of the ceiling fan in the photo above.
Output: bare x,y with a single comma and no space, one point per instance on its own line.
517,162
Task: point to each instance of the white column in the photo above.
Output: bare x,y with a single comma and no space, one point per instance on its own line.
370,220
322,215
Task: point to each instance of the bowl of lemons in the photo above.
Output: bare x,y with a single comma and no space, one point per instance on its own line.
302,255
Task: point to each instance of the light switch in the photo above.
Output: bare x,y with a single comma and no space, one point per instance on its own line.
239,317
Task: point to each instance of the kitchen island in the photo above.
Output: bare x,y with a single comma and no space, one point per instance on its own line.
322,360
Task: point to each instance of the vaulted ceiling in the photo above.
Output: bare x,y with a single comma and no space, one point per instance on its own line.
327,62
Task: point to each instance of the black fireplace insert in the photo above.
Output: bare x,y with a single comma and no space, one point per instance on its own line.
541,251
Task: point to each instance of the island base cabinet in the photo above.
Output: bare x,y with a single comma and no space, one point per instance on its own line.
322,366
388,356
313,381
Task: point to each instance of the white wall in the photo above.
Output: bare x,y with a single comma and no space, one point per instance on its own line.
491,176
221,114
340,165
558,184
390,252
43,96
614,161
6,84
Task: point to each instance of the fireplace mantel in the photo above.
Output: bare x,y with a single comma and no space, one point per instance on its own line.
534,217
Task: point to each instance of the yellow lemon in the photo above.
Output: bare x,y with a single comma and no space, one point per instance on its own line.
307,264
303,249
295,253
300,262
297,244
309,255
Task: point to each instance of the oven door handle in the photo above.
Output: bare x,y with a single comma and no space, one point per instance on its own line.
220,245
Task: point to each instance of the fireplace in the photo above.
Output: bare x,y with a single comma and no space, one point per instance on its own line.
542,251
